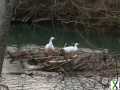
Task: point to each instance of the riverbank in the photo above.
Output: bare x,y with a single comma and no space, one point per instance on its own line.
14,76
98,62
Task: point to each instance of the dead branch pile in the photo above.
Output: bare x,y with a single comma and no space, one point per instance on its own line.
90,14
97,63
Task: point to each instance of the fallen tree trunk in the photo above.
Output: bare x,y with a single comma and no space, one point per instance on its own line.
96,62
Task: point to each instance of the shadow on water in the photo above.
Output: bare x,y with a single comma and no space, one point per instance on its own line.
39,34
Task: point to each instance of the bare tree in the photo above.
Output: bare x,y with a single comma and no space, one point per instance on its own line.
6,7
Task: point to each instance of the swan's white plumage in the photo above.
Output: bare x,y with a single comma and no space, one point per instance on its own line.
71,49
50,44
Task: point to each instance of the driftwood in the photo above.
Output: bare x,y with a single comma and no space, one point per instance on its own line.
99,63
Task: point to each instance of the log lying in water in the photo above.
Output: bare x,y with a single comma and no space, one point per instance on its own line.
95,61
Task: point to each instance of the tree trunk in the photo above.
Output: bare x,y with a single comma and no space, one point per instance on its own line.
5,18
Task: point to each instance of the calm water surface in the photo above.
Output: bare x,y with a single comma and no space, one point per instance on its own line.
40,34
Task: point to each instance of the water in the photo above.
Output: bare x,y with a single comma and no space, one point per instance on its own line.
40,34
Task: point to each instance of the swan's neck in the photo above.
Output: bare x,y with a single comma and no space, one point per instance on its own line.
50,41
75,46
65,45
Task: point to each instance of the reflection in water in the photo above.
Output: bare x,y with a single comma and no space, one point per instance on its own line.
39,34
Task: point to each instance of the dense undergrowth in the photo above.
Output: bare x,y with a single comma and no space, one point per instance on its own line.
88,14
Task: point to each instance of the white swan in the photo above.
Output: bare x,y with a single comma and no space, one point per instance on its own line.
50,44
71,49
65,44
